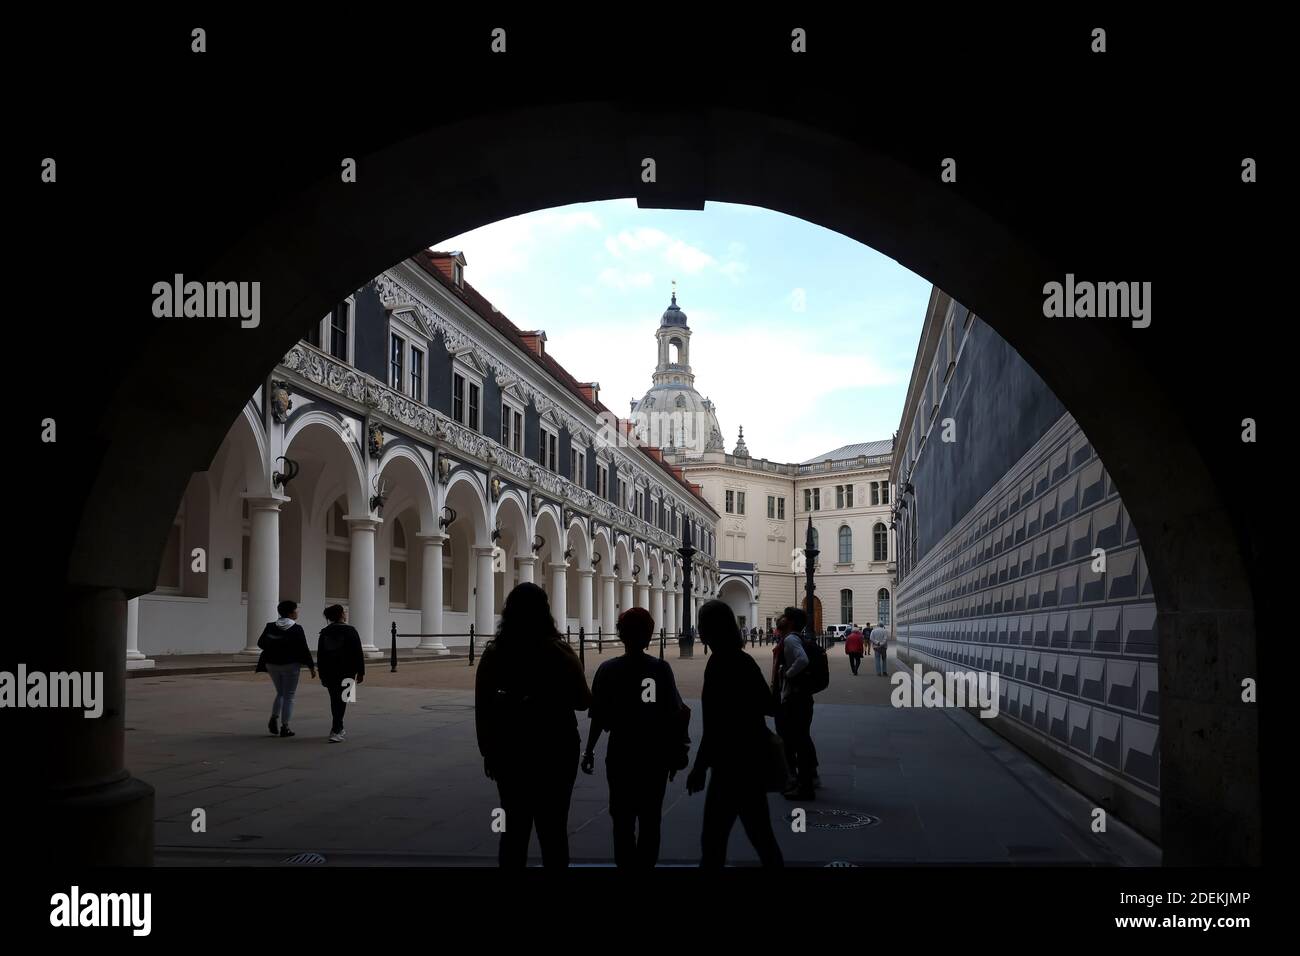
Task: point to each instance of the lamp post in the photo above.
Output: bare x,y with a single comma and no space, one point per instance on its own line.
686,640
810,555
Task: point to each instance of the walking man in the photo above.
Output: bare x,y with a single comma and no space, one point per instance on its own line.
794,710
879,643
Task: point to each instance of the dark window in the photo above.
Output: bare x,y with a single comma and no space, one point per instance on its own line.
881,543
505,425
882,607
846,606
473,406
458,398
417,374
519,432
396,349
846,546
339,331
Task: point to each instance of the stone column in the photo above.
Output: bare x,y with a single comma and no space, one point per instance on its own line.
625,600
264,567
361,581
134,659
431,594
643,595
560,595
657,607
753,613
607,619
585,619
73,786
484,596
672,620
526,566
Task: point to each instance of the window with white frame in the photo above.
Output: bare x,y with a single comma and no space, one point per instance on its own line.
771,506
548,448
780,509
333,333
846,545
880,535
602,480
396,362
731,502
740,502
622,494
467,395
578,467
417,374
512,425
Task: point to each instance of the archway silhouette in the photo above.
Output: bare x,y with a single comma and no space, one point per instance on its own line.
987,247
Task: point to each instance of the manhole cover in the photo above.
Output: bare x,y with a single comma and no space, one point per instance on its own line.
308,858
840,819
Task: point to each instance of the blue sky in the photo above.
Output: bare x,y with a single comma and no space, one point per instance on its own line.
803,336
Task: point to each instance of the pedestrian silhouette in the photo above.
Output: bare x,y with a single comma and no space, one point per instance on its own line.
339,657
284,654
528,687
635,698
734,745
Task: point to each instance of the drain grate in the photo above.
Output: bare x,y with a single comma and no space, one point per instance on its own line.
839,819
306,858
840,863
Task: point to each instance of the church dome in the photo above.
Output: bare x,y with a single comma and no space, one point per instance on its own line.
673,315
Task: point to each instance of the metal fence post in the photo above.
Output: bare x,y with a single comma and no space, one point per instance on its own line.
582,647
662,637
600,645
394,657
471,645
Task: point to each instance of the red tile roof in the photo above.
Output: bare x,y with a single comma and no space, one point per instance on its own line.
474,300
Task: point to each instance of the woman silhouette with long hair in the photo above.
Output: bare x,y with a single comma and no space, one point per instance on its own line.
528,689
736,702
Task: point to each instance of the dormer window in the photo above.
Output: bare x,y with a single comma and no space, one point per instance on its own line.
457,274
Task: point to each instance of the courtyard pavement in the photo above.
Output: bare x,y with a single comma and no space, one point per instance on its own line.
899,786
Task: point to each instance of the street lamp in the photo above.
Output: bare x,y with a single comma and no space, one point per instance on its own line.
810,554
686,640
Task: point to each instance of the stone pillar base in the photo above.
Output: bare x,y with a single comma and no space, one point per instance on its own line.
436,647
103,826
144,663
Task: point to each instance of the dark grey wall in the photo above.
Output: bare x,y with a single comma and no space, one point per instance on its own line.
1000,408
370,327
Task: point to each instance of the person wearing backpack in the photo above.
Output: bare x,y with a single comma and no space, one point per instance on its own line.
338,658
635,698
800,670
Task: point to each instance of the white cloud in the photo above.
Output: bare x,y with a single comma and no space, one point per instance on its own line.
624,279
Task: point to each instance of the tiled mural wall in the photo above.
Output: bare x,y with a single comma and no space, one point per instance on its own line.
1012,589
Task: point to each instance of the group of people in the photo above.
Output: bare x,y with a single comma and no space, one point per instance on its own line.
530,688
285,653
855,644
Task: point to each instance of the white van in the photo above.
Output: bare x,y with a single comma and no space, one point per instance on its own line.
839,631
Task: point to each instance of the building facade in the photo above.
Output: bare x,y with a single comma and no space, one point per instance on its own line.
415,457
1017,557
764,506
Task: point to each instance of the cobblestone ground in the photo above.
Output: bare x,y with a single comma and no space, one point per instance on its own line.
407,787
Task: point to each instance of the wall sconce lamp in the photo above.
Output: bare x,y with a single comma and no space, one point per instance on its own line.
291,469
447,517
496,533
538,543
568,553
595,561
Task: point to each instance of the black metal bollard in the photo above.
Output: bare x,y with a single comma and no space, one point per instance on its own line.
600,639
582,646
394,652
471,645
662,637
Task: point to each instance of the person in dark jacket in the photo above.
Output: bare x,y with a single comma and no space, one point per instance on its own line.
339,657
528,689
736,701
284,654
635,698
